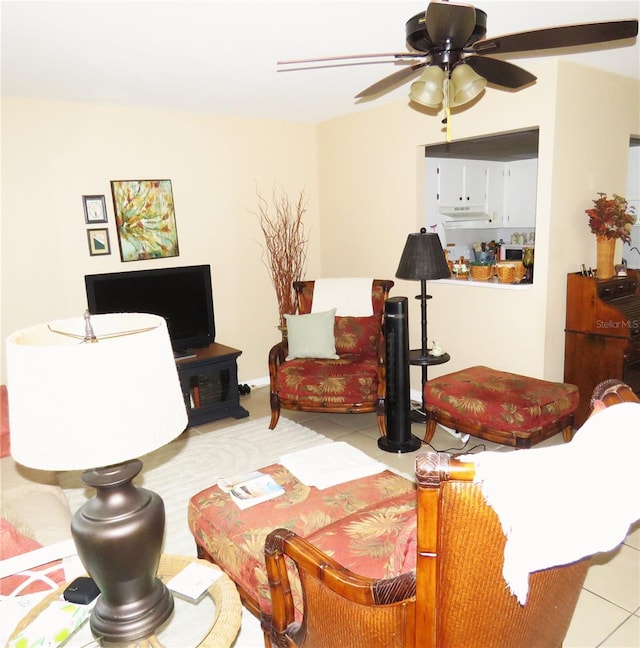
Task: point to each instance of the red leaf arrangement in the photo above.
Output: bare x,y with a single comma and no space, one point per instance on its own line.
611,217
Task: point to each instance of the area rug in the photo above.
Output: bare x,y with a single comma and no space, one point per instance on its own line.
196,460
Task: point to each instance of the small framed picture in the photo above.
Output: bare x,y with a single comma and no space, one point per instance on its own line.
95,209
98,241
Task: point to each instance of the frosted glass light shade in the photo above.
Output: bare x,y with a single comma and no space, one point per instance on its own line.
75,405
465,85
427,90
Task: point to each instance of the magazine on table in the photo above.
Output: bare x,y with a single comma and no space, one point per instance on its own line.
250,489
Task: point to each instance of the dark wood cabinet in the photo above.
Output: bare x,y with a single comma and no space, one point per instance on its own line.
602,334
209,381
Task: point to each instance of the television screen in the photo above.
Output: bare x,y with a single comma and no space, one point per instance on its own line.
183,296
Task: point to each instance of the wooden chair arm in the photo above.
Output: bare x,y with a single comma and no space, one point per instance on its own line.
433,468
612,391
282,543
277,354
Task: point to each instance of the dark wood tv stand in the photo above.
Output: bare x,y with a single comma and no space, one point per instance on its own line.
209,380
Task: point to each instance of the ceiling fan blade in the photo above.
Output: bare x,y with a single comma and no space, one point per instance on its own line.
450,23
499,72
555,37
391,82
391,55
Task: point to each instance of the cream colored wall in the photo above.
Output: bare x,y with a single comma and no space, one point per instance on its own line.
53,153
595,115
370,170
367,199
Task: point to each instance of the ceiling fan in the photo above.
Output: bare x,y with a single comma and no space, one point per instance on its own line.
447,48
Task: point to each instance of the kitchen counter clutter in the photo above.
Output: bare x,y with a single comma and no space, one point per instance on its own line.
492,284
502,273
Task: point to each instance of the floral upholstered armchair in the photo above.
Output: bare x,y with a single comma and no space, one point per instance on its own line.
347,378
505,574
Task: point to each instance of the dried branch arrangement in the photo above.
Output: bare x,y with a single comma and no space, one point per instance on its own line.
286,245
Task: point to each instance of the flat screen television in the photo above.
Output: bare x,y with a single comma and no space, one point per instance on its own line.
183,296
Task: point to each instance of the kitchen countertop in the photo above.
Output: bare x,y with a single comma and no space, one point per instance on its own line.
493,283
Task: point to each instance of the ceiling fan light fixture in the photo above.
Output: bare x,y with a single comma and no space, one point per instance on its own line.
427,90
448,46
465,84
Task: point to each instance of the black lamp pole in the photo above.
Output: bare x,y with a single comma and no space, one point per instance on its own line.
423,324
422,260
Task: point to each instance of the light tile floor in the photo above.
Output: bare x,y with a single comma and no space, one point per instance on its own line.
608,610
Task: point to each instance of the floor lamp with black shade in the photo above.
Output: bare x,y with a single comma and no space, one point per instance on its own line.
423,260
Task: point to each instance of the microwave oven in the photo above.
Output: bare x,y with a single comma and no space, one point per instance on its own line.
511,252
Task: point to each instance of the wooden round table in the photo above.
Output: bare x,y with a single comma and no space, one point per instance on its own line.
224,625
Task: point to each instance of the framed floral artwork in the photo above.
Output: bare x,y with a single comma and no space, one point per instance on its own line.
95,209
98,241
145,219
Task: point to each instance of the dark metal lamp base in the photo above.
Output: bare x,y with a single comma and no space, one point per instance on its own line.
118,535
129,622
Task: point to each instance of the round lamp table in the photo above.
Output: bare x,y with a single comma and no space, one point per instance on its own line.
212,622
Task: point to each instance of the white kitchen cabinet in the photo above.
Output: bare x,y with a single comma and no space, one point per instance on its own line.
433,219
495,192
520,189
481,194
462,183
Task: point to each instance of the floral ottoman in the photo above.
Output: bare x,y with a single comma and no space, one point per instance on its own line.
501,407
366,524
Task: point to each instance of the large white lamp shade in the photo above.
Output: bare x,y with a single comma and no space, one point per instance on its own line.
76,405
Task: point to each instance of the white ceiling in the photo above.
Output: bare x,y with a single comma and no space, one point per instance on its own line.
220,56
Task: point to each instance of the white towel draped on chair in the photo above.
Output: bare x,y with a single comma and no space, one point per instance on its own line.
560,504
350,297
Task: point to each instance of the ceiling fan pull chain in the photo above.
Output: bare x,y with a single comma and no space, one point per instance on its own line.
447,110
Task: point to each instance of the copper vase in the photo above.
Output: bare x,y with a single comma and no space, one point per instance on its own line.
606,248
